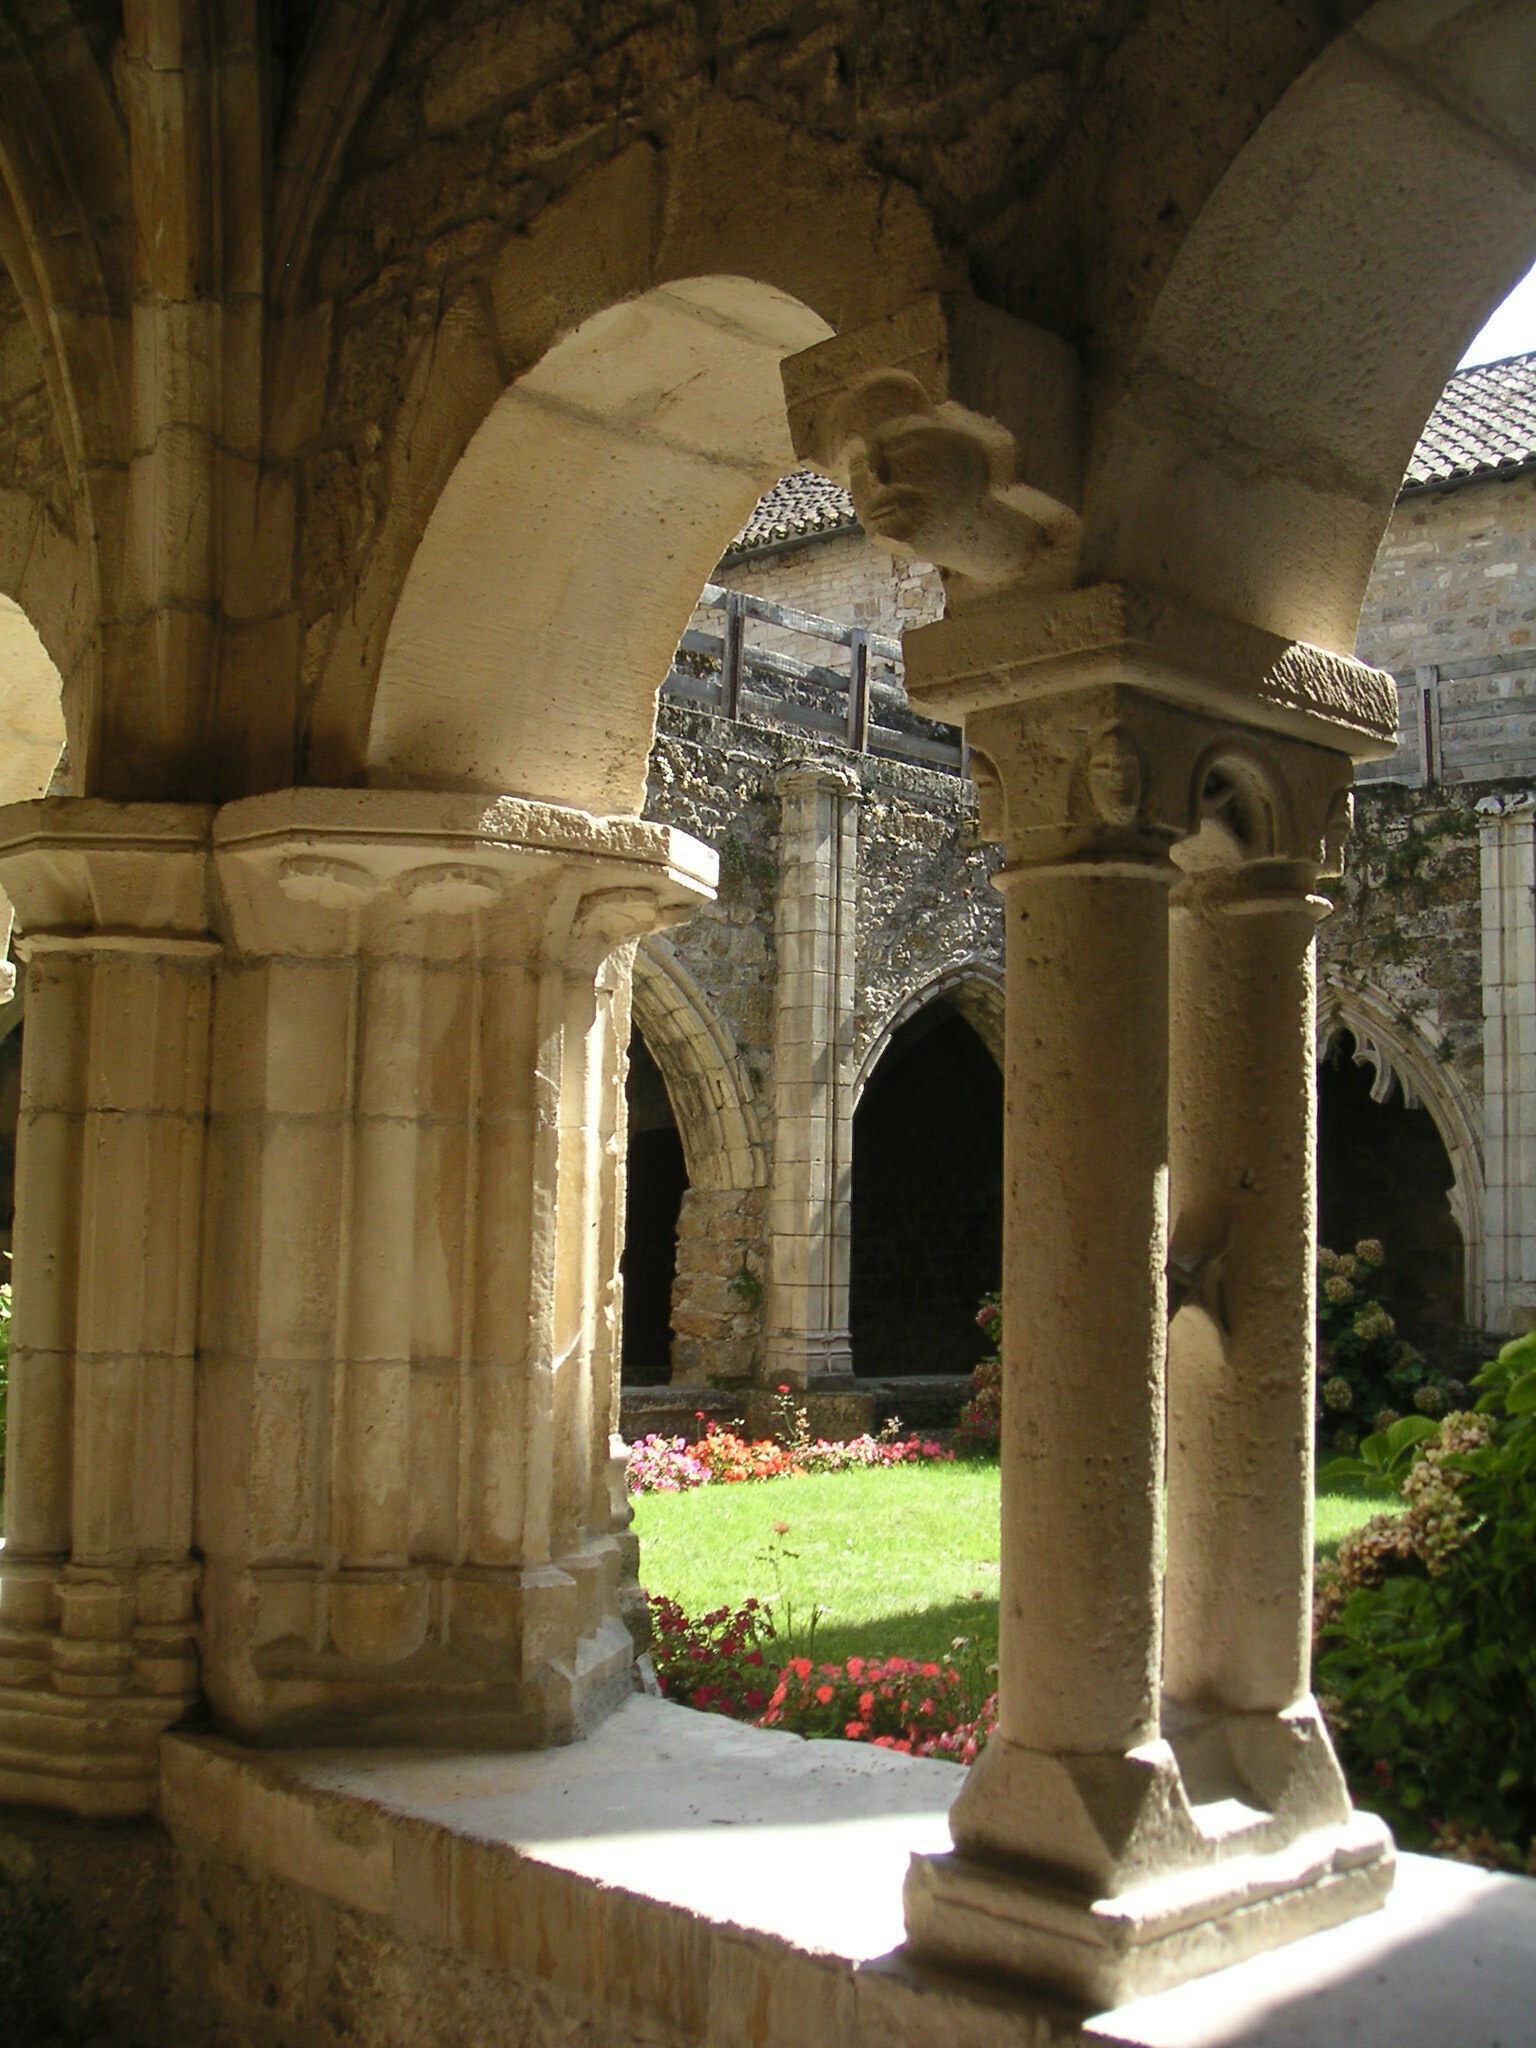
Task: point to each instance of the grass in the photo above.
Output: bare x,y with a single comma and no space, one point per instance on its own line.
900,1561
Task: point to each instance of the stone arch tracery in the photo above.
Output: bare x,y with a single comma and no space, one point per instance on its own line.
716,1117
1404,1060
972,986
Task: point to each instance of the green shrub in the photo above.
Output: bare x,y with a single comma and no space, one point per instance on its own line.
1367,1375
1426,1632
980,1431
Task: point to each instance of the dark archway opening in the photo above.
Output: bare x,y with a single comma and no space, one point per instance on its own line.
927,1199
1383,1171
657,1181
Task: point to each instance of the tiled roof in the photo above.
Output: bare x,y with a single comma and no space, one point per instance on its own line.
1484,425
798,506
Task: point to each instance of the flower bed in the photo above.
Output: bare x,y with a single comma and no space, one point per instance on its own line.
663,1464
724,1663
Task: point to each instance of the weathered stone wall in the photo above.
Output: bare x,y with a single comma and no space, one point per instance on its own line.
1407,918
1455,576
31,454
83,1927
843,576
924,906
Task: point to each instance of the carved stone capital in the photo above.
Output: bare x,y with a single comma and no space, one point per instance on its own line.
956,429
1112,773
331,872
100,872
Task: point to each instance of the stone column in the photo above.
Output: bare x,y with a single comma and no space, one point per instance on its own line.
98,1582
810,1194
1148,1810
1242,1341
1508,833
406,1499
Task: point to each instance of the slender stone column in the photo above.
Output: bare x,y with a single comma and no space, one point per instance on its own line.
1508,834
408,1306
98,1583
1084,1321
1150,1809
810,1195
1241,1345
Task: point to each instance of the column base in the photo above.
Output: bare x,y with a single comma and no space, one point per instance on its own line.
95,1666
95,1759
808,1358
456,1656
971,1915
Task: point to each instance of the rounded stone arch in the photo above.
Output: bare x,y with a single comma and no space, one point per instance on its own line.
562,326
567,549
717,1120
1405,1060
974,987
1316,307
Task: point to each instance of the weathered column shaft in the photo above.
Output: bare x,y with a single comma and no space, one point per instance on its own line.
1508,837
1241,1349
98,1582
1083,1306
810,1196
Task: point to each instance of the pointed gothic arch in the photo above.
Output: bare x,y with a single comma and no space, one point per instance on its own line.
1406,1062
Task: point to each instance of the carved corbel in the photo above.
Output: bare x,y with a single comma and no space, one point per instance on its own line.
957,430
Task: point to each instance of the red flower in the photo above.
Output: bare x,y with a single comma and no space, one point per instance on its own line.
824,1695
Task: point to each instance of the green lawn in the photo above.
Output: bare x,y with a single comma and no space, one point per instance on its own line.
900,1561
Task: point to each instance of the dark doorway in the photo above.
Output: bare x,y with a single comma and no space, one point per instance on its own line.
657,1181
927,1199
1383,1171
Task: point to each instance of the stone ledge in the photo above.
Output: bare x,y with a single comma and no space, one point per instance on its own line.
680,1878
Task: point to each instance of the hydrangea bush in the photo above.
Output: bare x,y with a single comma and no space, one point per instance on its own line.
1425,1647
1367,1375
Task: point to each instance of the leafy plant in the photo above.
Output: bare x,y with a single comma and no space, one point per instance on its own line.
922,1709
1385,1459
1367,1375
1426,1632
980,1431
719,1663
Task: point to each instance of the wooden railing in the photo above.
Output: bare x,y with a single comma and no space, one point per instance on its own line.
865,711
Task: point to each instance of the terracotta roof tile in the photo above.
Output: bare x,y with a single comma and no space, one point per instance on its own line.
798,506
1484,425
